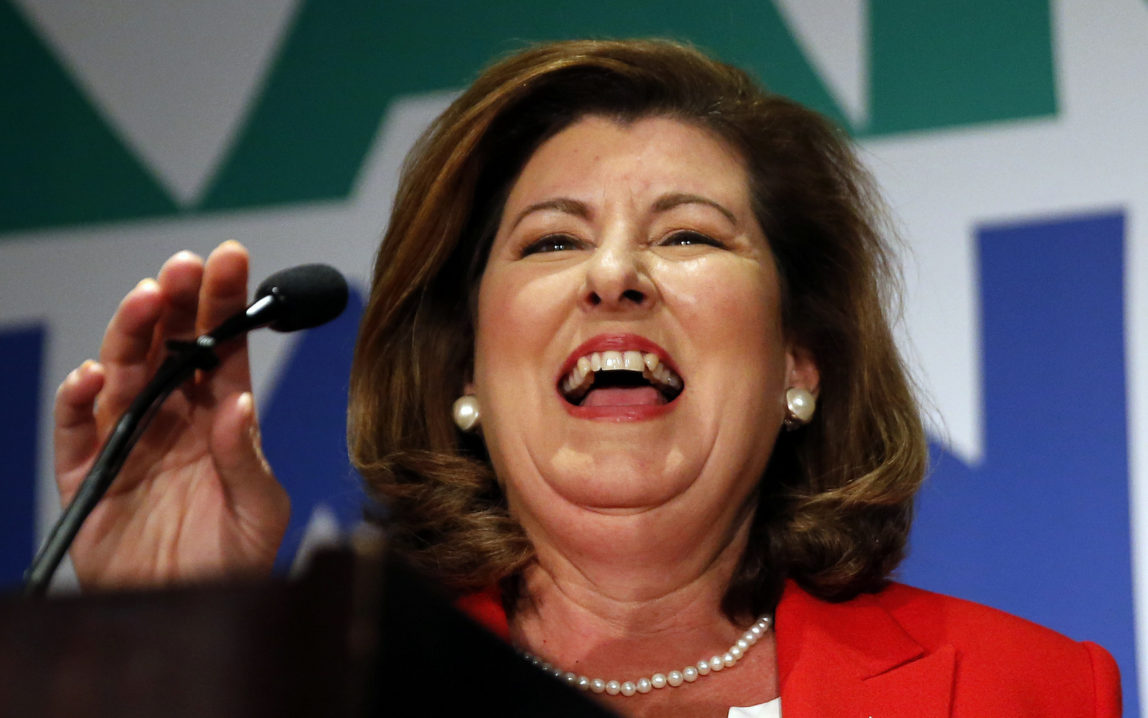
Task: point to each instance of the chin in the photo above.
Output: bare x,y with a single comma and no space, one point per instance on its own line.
622,487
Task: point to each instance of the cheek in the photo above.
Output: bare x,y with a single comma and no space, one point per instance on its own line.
734,319
517,316
737,308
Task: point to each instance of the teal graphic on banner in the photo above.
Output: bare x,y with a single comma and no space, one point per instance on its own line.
341,64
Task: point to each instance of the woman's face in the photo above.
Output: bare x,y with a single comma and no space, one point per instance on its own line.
624,247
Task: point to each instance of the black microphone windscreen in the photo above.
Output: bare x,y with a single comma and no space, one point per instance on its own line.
308,295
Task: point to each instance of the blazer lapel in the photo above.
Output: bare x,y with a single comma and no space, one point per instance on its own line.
853,659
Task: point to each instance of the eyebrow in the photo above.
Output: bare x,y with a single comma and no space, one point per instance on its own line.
561,204
669,201
663,204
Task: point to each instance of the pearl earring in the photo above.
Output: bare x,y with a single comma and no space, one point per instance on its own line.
465,412
799,407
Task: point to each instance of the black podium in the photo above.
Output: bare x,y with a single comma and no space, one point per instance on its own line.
354,636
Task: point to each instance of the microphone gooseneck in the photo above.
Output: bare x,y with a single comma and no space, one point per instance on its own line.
297,298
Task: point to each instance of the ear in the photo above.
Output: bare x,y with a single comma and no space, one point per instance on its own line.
801,370
468,389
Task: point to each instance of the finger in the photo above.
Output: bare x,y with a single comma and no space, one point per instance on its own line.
224,288
255,496
75,434
179,281
222,294
126,350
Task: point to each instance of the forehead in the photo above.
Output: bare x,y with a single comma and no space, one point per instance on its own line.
652,154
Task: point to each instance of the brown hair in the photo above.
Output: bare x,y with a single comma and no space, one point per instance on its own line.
835,503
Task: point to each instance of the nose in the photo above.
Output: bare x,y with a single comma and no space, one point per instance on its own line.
617,279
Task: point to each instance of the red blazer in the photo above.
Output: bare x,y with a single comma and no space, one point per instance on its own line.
907,653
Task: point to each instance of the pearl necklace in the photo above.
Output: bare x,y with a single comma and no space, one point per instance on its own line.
689,674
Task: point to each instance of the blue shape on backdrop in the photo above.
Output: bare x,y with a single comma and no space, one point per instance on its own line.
304,427
22,350
1041,528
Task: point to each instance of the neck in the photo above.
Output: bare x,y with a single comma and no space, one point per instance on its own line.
649,601
623,596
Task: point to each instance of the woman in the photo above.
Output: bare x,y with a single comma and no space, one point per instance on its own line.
653,295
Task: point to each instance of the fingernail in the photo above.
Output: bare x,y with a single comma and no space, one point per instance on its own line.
182,255
246,405
93,368
148,284
247,408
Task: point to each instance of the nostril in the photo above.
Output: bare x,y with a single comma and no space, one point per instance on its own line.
628,297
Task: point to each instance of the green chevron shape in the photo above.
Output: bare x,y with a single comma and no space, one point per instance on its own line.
61,162
937,64
344,62
947,63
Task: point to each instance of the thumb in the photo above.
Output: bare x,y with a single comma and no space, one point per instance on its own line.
254,494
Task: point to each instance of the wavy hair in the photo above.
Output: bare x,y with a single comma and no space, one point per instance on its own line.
834,505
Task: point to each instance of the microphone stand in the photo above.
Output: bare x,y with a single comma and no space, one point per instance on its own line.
183,360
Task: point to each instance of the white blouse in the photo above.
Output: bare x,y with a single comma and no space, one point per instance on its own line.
772,709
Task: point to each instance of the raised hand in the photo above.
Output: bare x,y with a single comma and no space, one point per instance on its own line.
196,499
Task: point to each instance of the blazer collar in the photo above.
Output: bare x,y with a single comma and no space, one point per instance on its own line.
854,659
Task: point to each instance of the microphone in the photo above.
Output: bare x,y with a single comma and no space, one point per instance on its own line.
296,298
307,296
300,297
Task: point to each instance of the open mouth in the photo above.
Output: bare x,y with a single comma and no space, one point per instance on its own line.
620,378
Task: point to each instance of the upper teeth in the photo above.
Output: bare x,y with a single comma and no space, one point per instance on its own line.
581,377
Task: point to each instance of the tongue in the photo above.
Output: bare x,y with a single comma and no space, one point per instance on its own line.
630,396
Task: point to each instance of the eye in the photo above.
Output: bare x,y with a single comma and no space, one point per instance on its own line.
551,243
689,238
